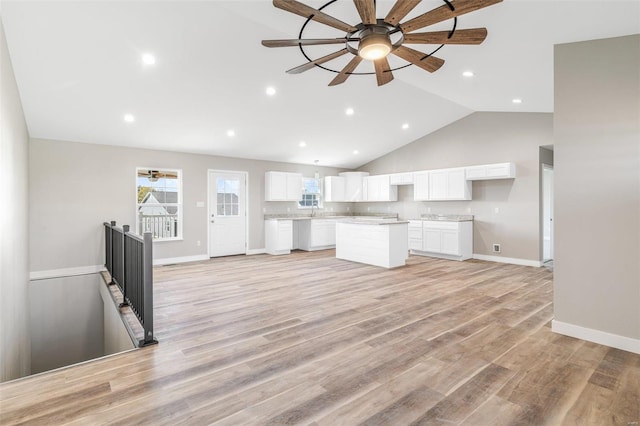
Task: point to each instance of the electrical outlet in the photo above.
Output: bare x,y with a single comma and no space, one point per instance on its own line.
468,209
264,210
496,248
197,243
288,209
428,209
368,209
348,209
497,210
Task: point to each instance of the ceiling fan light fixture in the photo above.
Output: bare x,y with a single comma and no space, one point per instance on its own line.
374,46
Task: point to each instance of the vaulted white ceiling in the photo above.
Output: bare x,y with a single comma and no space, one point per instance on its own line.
79,71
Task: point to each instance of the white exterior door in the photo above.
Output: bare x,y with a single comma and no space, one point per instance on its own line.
227,213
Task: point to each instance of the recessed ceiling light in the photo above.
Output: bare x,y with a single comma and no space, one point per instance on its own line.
271,91
517,101
148,59
356,152
405,126
231,133
302,144
468,74
129,118
349,111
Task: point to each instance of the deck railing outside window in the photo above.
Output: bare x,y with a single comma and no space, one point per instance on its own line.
160,226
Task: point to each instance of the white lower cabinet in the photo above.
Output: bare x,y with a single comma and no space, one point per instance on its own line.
449,240
316,234
278,235
415,235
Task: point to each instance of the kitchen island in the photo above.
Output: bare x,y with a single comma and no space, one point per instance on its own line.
380,243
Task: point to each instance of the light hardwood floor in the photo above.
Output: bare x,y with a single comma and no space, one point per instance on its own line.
309,339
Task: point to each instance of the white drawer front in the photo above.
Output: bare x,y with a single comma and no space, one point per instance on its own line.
435,224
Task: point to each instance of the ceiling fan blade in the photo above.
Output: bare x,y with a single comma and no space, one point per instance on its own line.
470,36
430,63
367,10
346,71
316,15
309,65
444,12
302,42
400,10
383,71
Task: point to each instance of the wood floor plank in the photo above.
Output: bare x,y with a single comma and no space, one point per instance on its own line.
309,339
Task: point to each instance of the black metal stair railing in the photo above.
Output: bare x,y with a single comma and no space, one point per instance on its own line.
129,261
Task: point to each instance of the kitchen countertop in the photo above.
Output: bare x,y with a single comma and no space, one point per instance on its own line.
330,216
447,217
373,222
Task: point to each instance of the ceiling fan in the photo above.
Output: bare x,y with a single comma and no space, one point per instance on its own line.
373,39
154,175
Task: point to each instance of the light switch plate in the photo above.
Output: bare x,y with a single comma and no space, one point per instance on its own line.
199,203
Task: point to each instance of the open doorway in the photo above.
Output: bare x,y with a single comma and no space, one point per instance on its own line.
547,213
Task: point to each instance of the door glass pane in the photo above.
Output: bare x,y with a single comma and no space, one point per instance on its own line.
228,190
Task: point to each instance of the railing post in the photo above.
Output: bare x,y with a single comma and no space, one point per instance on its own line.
110,266
125,229
147,272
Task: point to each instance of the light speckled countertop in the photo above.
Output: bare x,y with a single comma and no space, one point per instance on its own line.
373,222
447,217
289,216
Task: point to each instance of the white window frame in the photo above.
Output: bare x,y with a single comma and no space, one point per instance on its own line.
179,204
318,194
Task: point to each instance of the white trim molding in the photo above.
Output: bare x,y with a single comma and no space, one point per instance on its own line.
182,259
251,252
65,272
511,260
596,336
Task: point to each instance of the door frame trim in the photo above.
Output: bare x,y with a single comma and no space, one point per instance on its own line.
246,206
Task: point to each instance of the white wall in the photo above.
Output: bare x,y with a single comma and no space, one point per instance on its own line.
14,273
480,138
75,187
597,190
67,317
116,336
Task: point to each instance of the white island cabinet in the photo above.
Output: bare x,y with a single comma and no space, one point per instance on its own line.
379,243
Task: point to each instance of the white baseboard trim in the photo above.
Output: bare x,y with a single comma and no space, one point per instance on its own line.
511,260
596,336
256,251
181,259
65,272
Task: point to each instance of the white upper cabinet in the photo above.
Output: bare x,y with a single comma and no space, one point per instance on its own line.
354,188
401,178
379,188
334,187
449,184
491,171
421,186
282,186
